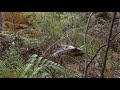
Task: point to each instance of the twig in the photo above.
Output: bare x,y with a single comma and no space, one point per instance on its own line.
62,37
114,36
108,44
93,58
70,40
53,44
85,43
99,51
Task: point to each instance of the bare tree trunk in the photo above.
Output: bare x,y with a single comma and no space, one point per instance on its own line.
107,47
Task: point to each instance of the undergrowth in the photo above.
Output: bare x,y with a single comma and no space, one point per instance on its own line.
51,27
36,67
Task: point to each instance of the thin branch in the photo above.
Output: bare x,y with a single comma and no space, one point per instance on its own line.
93,58
114,36
99,51
54,44
70,39
62,37
85,43
108,44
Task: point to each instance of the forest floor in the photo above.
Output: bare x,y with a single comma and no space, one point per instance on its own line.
34,42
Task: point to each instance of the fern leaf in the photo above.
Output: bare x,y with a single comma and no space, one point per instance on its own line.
41,67
45,75
27,69
33,58
49,62
36,71
44,61
39,60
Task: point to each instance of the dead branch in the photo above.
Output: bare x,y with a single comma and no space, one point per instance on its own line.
99,51
107,46
68,50
85,43
62,37
93,58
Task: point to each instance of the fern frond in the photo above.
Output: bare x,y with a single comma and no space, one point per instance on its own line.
33,58
27,69
39,60
41,67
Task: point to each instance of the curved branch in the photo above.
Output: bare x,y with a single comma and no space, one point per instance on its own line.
93,58
101,48
99,51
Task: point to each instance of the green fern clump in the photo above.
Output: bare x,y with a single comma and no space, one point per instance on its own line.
36,67
39,67
11,66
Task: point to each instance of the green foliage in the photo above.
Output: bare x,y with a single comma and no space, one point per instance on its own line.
30,16
38,67
116,64
113,64
93,45
68,24
53,23
12,65
52,27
